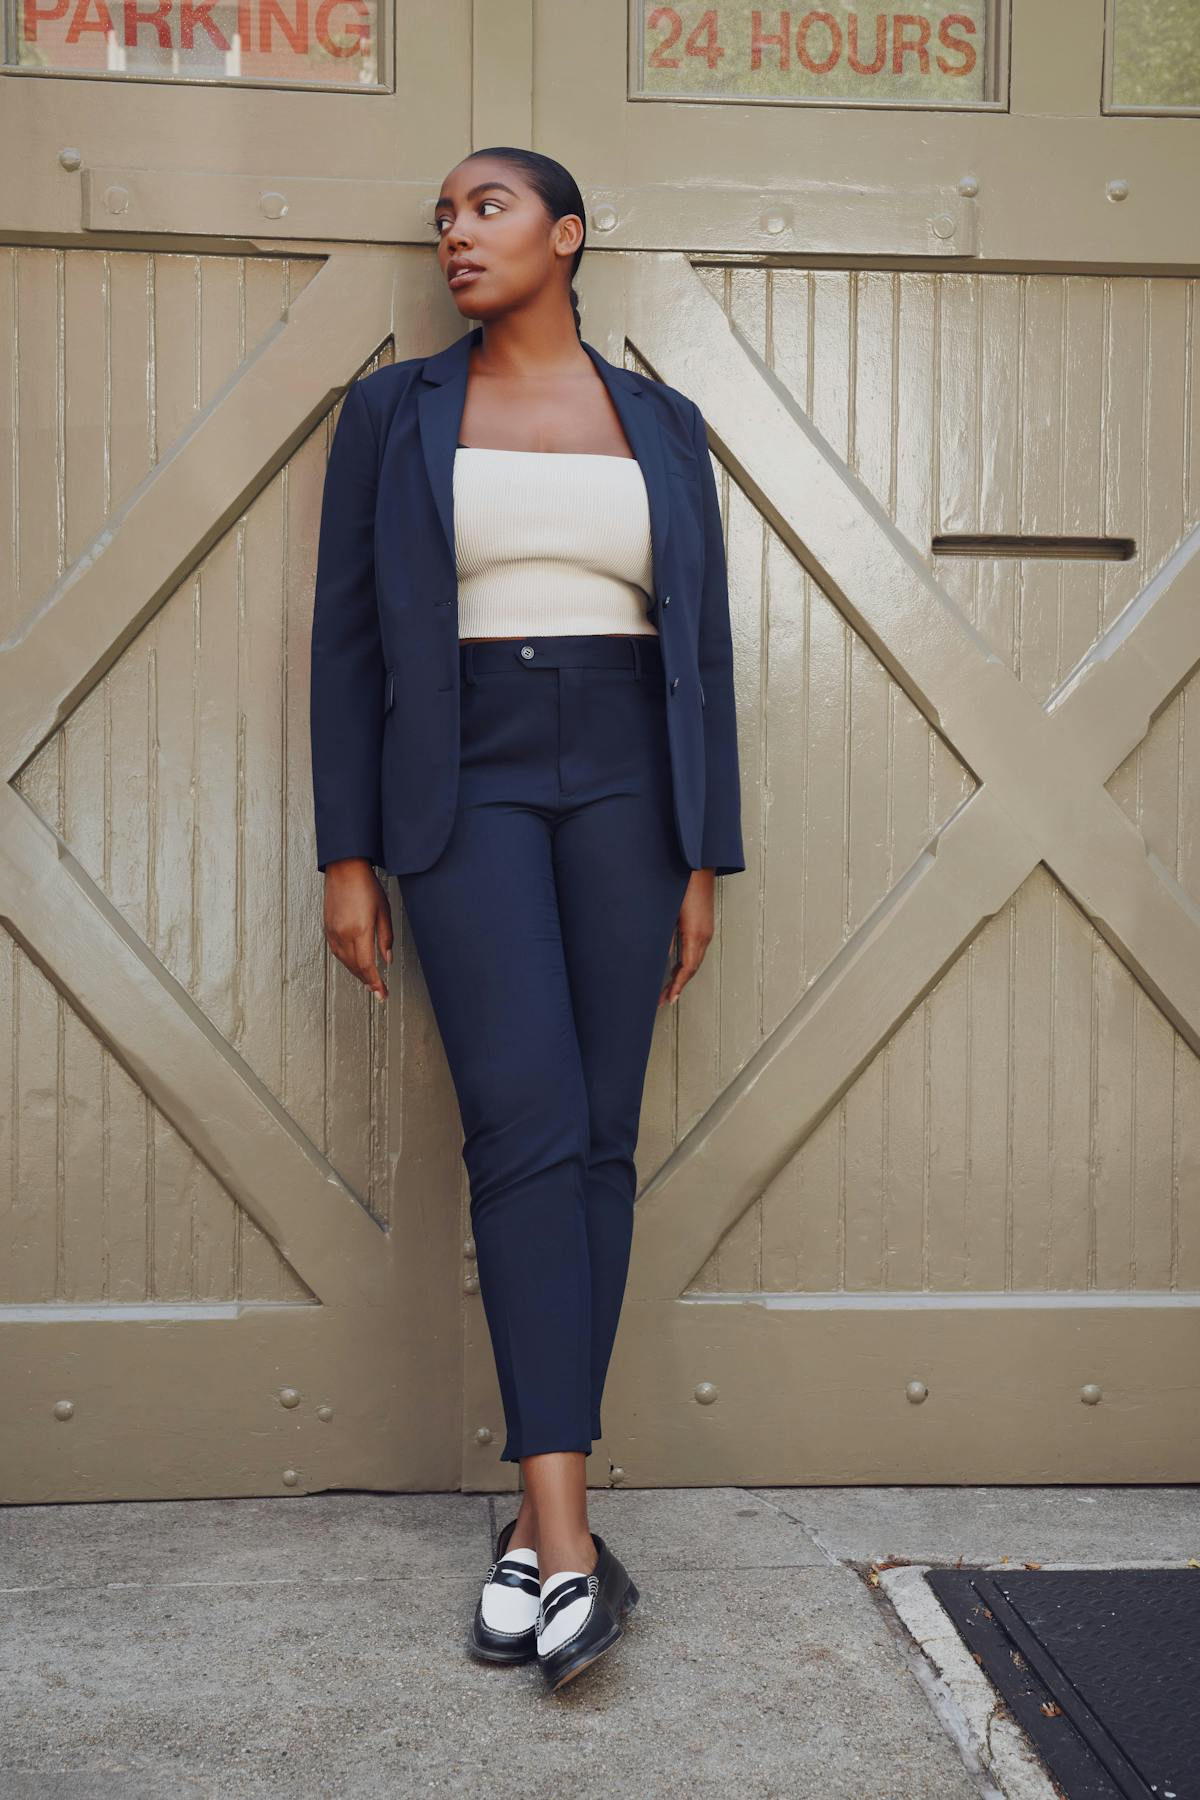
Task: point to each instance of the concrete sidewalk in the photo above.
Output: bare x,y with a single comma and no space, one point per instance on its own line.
313,1646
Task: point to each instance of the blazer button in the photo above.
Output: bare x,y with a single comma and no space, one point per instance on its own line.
527,651
675,684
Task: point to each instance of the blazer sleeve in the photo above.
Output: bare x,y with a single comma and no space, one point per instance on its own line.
347,669
721,845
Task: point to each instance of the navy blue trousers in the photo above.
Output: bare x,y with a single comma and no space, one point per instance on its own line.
544,935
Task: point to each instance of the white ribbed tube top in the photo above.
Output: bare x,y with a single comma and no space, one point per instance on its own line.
549,542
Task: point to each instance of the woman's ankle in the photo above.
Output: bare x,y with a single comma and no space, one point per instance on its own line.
524,1532
566,1553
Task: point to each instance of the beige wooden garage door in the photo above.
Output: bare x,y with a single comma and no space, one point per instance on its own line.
919,1153
920,1146
923,1158
231,1234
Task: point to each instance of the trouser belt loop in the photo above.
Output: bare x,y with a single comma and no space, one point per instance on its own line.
469,663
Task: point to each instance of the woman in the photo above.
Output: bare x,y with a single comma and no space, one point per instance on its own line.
522,706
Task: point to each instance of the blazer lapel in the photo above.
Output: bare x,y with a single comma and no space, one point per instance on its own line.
442,397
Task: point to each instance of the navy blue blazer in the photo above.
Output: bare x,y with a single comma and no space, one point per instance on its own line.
384,697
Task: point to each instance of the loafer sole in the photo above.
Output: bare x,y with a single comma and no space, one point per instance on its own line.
587,1657
482,1654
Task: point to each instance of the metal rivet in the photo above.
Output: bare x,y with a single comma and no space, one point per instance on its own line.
615,1472
469,1249
942,225
483,1435
288,1397
116,199
774,223
968,186
1118,190
705,1392
1090,1394
325,1413
290,1478
604,218
915,1392
471,1284
70,158
64,1409
272,206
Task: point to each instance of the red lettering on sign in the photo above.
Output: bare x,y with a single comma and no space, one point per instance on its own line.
271,14
953,43
901,49
196,12
782,37
260,23
909,35
835,42
32,14
154,14
667,15
357,37
852,56
81,23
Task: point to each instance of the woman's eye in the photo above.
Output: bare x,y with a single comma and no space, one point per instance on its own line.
438,223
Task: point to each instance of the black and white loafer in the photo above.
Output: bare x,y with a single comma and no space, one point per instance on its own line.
582,1615
504,1629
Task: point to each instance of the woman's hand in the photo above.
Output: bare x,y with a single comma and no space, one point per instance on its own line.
356,912
694,930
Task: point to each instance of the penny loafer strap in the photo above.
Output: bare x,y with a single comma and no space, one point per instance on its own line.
515,1574
579,1587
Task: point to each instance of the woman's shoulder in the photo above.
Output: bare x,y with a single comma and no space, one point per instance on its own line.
381,388
667,396
679,407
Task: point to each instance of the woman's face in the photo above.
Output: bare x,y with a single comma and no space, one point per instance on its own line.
487,216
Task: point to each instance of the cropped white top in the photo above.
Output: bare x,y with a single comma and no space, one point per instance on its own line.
549,542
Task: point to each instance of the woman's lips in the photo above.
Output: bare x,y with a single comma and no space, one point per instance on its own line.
461,280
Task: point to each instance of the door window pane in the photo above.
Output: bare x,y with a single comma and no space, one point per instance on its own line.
923,54
279,43
1152,56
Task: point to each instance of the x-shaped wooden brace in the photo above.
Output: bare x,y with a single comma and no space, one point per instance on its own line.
50,903
1042,772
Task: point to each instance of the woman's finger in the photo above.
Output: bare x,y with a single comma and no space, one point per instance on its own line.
356,952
